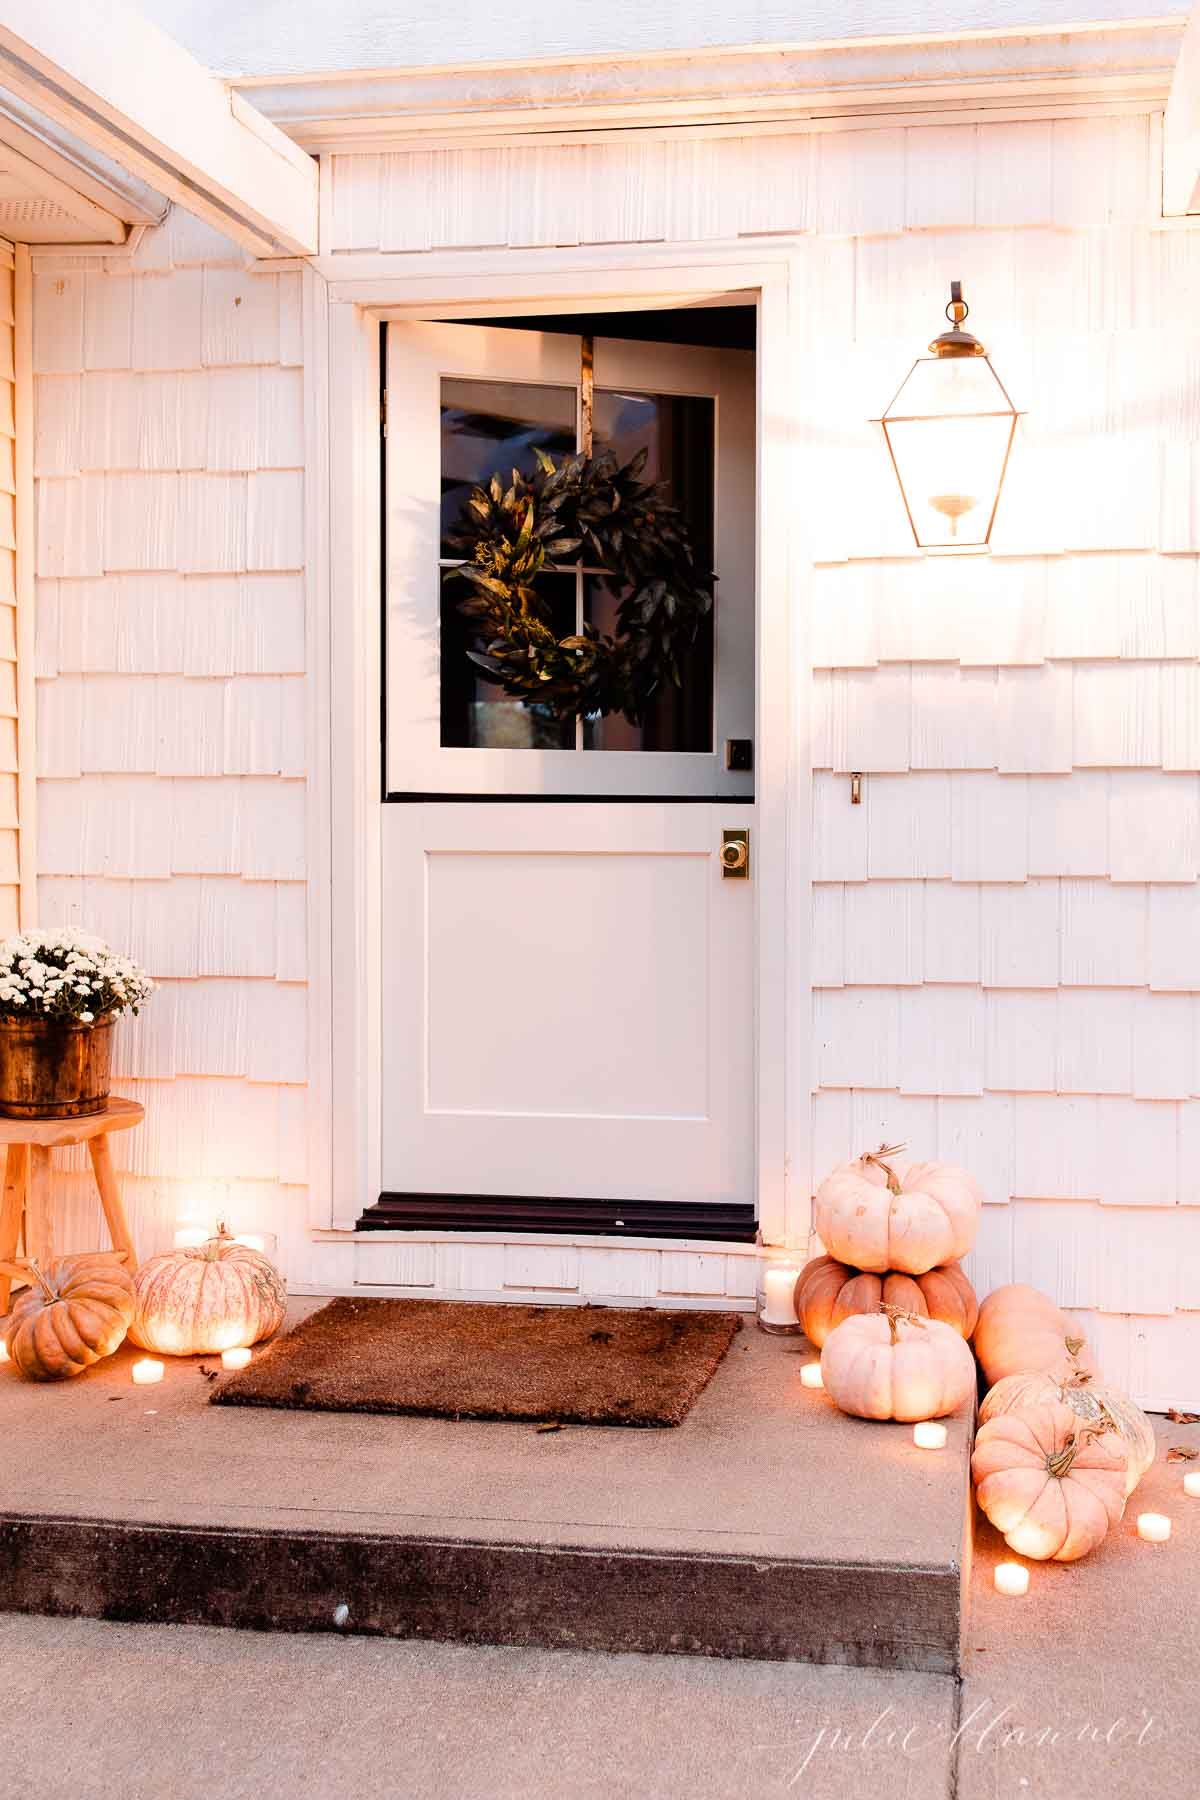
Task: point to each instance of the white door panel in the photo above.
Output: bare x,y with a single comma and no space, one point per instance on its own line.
568,1008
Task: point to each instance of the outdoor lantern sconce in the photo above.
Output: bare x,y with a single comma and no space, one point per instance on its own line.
949,431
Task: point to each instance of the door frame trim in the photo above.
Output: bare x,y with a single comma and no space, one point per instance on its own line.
344,493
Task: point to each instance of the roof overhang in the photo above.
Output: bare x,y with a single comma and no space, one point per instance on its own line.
967,74
1181,128
151,122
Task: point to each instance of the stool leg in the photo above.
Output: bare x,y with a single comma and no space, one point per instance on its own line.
39,1208
111,1201
12,1206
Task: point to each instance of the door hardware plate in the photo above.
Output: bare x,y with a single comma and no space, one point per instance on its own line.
735,855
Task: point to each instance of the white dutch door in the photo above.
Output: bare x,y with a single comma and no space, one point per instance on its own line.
568,974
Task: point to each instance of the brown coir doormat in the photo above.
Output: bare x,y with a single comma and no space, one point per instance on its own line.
594,1365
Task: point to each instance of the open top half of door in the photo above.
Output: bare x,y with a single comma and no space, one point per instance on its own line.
466,402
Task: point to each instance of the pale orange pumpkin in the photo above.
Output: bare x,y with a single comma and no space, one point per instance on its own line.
873,1217
828,1291
1050,1484
1020,1329
209,1297
893,1365
72,1315
1091,1401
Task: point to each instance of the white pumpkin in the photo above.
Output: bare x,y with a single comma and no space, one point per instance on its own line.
201,1300
1089,1400
873,1217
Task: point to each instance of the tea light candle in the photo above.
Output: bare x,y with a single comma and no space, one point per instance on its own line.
3,1351
1155,1528
234,1359
1191,1484
147,1372
811,1376
1011,1579
929,1436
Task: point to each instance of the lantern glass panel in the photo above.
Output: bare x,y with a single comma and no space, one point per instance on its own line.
949,430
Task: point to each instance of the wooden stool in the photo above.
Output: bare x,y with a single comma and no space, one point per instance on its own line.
27,1182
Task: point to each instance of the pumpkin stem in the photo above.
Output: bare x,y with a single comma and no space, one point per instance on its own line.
877,1156
896,1315
47,1291
1062,1462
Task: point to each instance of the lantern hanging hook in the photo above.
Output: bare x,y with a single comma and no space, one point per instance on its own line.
956,341
956,307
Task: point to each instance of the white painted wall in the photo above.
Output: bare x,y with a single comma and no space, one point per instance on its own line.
275,37
1004,932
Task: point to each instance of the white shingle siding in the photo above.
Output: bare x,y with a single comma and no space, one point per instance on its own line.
1047,700
169,446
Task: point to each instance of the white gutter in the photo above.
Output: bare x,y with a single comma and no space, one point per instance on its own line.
1181,128
104,73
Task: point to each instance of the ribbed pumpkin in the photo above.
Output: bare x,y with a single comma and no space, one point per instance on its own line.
206,1298
829,1291
1090,1401
872,1217
1020,1330
75,1313
1050,1484
893,1365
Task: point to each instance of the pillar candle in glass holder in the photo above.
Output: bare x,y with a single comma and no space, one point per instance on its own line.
1154,1528
775,1306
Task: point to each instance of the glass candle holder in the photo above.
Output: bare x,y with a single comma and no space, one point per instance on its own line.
774,1303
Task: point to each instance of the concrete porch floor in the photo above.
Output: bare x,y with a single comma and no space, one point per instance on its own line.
1084,1691
766,1526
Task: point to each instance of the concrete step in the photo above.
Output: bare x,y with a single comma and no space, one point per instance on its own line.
767,1525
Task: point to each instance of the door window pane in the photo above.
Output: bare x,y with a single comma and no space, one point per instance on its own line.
478,715
491,428
677,432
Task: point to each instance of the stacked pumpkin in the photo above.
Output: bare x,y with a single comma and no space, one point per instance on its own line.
195,1301
888,1306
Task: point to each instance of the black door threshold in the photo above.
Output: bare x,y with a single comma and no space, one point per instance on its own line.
715,1221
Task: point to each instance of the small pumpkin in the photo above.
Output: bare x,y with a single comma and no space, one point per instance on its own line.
1050,1484
72,1315
205,1298
872,1217
1020,1329
828,1291
1090,1401
893,1365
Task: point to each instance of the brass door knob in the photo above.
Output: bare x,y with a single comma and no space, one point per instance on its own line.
735,854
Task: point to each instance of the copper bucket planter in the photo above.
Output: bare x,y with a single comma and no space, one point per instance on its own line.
54,1068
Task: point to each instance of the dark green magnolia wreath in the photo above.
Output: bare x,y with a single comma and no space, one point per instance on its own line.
585,508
